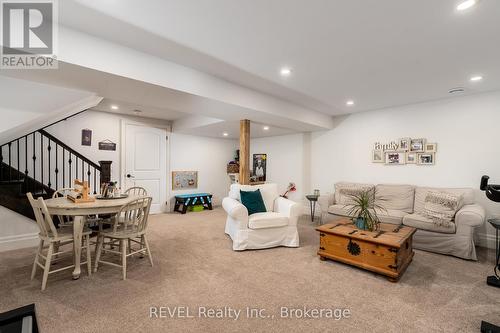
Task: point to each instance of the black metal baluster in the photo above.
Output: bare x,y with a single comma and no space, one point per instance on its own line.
10,161
76,167
95,183
88,175
83,171
63,168
18,162
26,156
41,160
49,184
57,170
34,163
69,162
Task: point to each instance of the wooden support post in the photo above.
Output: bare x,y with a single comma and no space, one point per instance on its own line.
244,152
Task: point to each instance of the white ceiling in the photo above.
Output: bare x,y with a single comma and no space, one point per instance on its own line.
37,98
232,128
138,110
210,117
379,53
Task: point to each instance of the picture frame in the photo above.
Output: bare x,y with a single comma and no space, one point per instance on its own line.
426,158
395,158
184,180
107,145
430,147
411,158
404,144
378,156
259,167
417,145
86,137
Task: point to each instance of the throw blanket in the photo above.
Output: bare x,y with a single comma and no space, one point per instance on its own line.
441,207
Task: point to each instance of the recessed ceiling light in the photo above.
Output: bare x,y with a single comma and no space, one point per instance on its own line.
466,5
114,107
476,78
225,134
286,71
265,128
349,103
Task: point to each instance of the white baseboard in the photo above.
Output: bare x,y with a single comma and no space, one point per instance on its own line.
8,243
486,240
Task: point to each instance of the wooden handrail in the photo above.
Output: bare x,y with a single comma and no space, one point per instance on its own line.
68,148
51,124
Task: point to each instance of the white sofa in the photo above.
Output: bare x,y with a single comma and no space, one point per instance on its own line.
276,227
405,204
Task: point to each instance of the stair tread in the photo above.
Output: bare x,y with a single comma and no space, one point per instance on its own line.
14,181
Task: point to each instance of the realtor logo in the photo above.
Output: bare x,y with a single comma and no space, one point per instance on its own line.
28,34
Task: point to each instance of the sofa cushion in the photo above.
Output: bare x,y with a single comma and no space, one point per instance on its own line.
340,210
391,216
388,216
252,200
344,190
421,222
395,197
269,193
421,194
267,220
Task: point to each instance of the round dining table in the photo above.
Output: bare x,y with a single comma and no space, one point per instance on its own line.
80,211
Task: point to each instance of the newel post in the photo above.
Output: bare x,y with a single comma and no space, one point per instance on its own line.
105,171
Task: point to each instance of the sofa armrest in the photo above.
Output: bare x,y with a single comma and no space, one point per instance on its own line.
289,208
471,215
325,201
235,209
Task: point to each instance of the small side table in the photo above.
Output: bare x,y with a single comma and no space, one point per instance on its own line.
313,199
494,280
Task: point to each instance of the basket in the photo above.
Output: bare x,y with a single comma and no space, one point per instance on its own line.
233,168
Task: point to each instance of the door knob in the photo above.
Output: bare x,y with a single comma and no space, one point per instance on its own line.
130,176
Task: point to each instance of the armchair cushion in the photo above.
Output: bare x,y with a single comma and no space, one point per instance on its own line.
252,200
267,220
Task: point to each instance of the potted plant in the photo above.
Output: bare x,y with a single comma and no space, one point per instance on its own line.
363,209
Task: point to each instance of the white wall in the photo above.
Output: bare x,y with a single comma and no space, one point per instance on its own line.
208,156
104,126
286,161
465,129
16,231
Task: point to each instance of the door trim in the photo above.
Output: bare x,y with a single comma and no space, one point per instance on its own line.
167,129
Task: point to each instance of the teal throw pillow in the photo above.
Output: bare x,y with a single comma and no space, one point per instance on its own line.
253,201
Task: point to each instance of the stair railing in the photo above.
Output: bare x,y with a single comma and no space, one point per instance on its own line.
43,163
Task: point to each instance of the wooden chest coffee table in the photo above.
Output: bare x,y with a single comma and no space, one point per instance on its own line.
387,251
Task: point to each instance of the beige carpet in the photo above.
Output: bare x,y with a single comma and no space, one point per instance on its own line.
195,266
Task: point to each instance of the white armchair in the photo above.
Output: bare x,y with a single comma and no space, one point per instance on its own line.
276,227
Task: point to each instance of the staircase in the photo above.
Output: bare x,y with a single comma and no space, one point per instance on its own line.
40,163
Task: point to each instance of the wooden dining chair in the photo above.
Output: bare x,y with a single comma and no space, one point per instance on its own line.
137,191
55,237
63,193
129,228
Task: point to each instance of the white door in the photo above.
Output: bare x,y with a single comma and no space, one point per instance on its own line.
145,156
